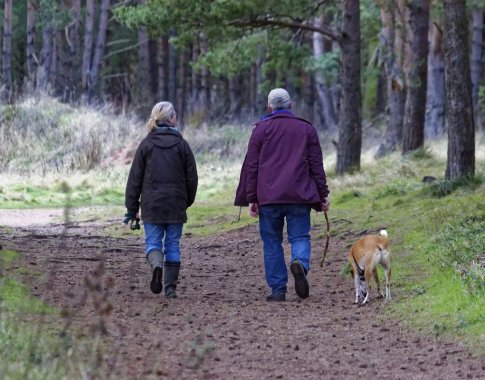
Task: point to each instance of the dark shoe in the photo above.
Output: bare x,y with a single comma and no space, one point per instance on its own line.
277,297
301,283
170,279
156,284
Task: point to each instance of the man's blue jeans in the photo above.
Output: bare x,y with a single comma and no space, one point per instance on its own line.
271,223
164,238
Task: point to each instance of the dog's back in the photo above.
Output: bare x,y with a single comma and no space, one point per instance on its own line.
363,257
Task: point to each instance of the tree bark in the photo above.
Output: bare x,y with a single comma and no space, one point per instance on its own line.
435,102
46,54
72,63
88,45
415,108
143,66
234,95
172,76
476,52
350,129
459,103
163,67
393,40
330,117
7,53
182,87
31,60
205,80
99,50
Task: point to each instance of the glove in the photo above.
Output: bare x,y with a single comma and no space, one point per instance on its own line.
129,216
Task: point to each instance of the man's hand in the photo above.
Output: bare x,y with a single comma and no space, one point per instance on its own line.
325,204
131,215
253,209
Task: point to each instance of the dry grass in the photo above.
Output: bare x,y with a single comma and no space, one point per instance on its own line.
41,135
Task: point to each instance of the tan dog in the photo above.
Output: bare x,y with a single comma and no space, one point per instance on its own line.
364,256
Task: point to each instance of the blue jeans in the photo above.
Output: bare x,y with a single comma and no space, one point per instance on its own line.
164,238
271,222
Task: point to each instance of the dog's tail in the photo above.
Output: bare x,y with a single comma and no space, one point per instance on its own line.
385,238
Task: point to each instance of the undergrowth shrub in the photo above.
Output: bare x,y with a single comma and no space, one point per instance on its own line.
442,188
42,134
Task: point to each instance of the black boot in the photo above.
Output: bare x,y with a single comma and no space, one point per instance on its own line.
170,279
155,258
298,271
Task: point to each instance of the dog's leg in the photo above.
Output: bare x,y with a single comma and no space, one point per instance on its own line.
387,273
367,276
357,286
376,278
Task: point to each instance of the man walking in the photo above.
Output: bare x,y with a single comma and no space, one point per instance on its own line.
283,178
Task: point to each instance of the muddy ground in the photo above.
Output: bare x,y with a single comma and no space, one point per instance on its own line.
221,327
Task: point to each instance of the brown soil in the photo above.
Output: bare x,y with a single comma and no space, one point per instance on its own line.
221,327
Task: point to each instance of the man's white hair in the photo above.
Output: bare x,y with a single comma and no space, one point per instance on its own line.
279,99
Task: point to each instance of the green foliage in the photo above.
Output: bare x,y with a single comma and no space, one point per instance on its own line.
230,58
328,64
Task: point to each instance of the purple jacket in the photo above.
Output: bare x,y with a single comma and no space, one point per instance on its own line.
283,165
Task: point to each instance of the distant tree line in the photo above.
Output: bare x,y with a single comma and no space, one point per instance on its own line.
417,64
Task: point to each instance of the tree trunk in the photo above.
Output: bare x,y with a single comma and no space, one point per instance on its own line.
143,82
392,39
152,67
205,79
459,103
46,54
477,52
323,90
99,50
350,129
72,64
415,108
88,45
172,76
234,96
143,69
381,94
31,62
435,103
182,87
308,96
7,53
163,67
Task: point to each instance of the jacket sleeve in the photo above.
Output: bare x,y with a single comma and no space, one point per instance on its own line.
315,161
135,181
191,175
252,164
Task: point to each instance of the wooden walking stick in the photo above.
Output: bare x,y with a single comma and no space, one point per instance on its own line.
328,239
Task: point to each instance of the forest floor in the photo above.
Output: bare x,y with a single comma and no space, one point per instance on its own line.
220,326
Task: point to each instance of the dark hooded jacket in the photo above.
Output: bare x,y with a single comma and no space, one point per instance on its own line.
163,178
283,165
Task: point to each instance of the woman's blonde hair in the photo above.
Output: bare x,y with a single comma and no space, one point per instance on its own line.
161,112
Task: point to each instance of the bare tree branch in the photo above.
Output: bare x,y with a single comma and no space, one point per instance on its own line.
257,23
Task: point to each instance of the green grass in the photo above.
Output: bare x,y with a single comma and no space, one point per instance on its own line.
437,241
31,346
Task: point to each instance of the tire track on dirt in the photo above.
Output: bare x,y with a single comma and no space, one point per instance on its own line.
221,327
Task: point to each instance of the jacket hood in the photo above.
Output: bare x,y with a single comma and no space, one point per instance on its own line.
163,137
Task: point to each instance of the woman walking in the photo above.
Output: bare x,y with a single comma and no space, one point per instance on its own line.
163,181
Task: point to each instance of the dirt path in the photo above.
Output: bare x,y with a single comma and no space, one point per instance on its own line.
221,327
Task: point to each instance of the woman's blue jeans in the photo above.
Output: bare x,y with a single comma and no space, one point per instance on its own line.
164,238
271,223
